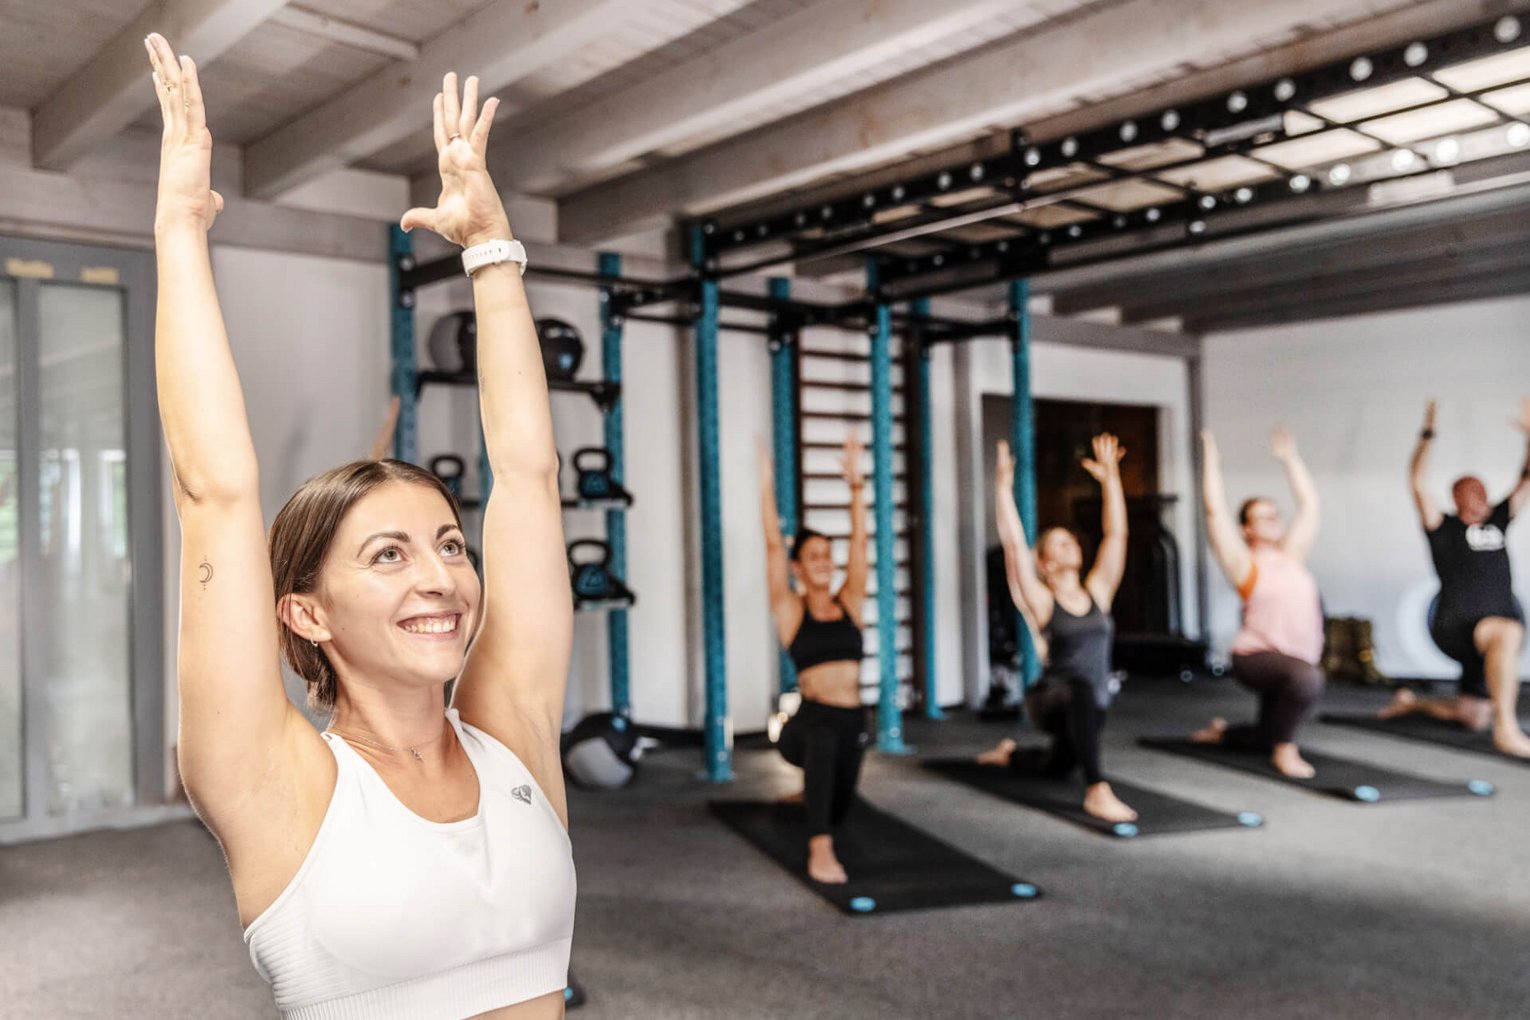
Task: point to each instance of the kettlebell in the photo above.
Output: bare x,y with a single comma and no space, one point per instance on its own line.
562,348
595,482
449,467
591,578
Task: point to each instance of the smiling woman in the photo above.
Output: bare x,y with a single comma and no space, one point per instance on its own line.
357,855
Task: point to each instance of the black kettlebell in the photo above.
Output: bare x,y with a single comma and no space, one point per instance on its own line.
591,578
562,348
449,467
453,342
595,482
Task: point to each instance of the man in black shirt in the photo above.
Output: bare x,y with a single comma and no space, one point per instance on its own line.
1475,620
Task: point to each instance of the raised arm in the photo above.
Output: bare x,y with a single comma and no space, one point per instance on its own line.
1110,561
1418,474
1304,523
1522,486
785,606
237,728
514,680
852,594
1030,595
382,445
1227,545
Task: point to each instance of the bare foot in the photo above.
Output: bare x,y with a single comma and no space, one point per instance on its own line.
792,798
1212,733
1476,714
823,866
1401,704
1101,801
1288,761
1510,739
999,754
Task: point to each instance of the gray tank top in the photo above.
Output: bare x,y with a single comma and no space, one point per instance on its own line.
1078,648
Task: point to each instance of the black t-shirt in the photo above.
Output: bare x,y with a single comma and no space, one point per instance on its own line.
1473,564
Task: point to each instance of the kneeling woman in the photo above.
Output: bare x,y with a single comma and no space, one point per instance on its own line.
821,630
1070,618
1276,653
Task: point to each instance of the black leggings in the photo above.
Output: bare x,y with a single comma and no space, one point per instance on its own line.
1287,689
827,743
1067,712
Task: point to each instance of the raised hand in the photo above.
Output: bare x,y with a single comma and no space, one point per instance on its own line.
1282,444
1004,467
1523,422
469,210
1106,461
185,152
851,464
1429,416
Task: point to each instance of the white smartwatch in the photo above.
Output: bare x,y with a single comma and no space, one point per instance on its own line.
492,253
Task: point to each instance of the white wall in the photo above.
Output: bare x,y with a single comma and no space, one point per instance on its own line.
1065,372
1354,390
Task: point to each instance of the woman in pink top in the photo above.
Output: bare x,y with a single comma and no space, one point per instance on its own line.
1276,653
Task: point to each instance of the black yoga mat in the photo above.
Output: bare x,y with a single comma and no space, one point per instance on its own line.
891,864
1338,777
1156,812
1422,727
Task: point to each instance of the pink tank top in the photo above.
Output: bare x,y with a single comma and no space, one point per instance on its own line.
1281,609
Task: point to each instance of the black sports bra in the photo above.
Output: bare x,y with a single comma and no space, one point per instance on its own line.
819,641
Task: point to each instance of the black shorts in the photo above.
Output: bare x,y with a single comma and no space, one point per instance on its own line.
1456,637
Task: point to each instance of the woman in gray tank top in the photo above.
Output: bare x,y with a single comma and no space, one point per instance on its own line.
1068,614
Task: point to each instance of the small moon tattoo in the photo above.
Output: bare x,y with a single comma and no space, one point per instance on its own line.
207,573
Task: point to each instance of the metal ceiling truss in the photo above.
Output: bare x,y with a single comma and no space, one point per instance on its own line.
1224,166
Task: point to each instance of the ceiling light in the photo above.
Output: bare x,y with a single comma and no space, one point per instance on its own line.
1507,29
1237,102
1300,183
1415,54
1518,135
1285,89
1361,69
1339,174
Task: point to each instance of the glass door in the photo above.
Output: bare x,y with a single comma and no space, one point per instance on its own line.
81,631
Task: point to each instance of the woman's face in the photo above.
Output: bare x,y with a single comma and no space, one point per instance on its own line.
1059,551
398,594
1263,523
815,563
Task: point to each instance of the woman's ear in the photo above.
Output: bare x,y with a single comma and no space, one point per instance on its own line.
302,614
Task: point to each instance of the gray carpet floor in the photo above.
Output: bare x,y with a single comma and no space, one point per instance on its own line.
1333,910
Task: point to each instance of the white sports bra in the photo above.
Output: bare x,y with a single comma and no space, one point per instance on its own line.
394,916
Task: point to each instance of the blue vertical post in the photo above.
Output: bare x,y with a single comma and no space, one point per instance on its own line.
717,729
1023,440
406,434
783,416
921,362
610,265
889,715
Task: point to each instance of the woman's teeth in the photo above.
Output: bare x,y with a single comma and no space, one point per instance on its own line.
437,625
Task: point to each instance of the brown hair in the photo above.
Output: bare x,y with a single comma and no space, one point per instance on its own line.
300,539
1246,508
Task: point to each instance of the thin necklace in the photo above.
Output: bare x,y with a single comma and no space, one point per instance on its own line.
384,747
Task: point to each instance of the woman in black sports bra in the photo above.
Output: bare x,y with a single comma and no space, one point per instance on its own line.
821,630
1069,616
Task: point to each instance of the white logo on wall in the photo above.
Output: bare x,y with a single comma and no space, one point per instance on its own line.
1484,537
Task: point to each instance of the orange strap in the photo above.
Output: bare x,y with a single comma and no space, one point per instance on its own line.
1246,589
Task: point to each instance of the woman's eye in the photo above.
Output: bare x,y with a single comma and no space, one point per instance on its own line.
452,547
392,554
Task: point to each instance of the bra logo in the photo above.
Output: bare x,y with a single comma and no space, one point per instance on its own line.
522,794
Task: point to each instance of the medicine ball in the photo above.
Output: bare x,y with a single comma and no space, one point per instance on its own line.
562,348
601,752
453,342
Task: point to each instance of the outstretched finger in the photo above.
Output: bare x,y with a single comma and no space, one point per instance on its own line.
480,135
169,69
160,94
469,112
453,106
438,122
196,112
